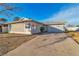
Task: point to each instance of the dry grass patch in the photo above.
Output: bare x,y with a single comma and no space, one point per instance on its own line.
9,42
74,35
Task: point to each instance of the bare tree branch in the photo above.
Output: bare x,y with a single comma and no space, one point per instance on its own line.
8,8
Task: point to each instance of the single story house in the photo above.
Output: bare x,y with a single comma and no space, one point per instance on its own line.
28,26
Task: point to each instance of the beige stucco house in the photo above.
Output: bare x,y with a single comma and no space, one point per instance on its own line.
23,27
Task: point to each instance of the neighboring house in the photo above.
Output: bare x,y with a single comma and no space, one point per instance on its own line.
72,28
57,27
23,27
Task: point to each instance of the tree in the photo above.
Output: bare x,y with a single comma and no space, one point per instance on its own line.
16,19
77,26
42,29
3,20
6,11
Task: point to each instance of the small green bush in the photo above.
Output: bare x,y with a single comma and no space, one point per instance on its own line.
42,29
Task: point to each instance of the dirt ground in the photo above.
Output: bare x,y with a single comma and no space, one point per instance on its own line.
9,42
53,44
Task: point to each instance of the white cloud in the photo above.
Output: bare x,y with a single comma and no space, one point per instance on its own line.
70,14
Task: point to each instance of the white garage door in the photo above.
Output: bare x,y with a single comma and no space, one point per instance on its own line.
56,28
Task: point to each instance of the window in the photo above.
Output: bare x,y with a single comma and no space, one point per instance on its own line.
27,25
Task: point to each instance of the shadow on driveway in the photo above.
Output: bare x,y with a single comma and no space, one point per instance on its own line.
58,41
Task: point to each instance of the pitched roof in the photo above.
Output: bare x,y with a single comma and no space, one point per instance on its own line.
20,21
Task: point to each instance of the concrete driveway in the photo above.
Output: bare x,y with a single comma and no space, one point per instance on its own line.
47,45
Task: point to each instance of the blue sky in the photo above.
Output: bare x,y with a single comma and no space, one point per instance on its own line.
47,12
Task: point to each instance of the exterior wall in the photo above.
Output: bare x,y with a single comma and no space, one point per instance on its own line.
56,28
23,28
34,27
18,28
46,28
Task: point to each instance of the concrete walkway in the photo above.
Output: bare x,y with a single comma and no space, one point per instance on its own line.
47,45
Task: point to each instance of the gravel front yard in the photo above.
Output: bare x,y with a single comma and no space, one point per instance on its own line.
9,42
